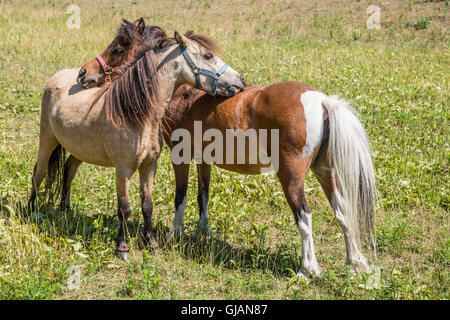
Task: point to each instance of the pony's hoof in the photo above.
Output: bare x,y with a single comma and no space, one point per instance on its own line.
308,274
303,276
360,265
123,255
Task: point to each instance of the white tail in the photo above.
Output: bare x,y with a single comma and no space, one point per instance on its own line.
349,154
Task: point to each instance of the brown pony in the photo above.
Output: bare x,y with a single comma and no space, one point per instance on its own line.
314,131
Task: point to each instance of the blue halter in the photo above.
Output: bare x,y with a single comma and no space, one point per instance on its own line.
198,72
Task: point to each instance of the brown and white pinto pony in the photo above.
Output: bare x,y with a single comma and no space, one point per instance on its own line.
315,131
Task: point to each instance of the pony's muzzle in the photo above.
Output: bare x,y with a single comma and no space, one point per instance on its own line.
82,72
243,81
239,85
232,88
81,76
82,81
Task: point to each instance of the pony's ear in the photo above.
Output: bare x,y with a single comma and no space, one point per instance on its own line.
180,39
140,25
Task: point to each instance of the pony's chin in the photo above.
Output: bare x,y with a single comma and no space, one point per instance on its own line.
228,92
87,83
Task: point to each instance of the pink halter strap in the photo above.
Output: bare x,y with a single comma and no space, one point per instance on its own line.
107,69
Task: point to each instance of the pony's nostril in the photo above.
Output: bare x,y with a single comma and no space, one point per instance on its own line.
82,72
243,80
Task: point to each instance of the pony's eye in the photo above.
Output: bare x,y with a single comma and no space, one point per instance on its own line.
208,56
118,52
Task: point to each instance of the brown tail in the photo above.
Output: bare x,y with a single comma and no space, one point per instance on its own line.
55,174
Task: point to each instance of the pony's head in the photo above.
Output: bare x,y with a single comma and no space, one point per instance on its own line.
110,63
195,58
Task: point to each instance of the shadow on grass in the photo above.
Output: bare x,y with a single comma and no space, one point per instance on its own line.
76,225
71,223
217,251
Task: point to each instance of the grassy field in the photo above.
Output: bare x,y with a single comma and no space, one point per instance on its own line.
397,77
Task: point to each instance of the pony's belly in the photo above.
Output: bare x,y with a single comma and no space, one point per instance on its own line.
90,154
85,148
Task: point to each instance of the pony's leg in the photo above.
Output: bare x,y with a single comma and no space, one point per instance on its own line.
325,174
292,177
70,170
147,173
181,180
204,175
123,176
47,143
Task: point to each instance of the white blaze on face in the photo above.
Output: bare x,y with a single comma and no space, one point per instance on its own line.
312,105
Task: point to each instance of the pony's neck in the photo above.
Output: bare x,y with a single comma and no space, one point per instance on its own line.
166,65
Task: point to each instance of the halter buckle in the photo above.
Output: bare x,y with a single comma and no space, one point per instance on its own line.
108,70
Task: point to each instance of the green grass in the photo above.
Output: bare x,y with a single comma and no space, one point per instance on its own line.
396,77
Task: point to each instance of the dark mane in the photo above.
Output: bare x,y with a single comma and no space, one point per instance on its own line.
128,32
132,99
148,41
152,34
204,41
